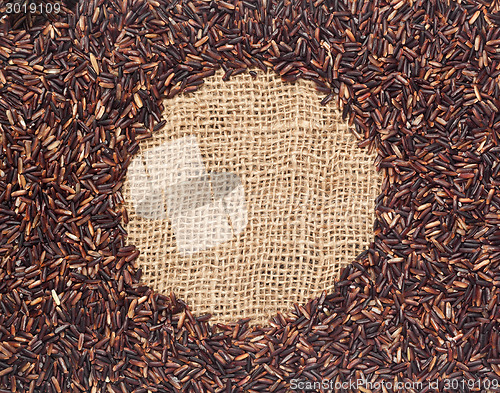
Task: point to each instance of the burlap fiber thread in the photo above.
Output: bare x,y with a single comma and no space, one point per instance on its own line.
308,192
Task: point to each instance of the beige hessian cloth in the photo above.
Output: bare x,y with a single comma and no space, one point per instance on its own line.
251,198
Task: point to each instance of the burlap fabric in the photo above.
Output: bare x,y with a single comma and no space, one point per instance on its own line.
251,198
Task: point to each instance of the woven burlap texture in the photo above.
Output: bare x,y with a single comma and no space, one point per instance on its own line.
309,192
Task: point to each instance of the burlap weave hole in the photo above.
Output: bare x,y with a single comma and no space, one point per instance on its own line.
251,198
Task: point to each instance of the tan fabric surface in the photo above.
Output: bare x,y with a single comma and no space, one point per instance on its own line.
308,197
